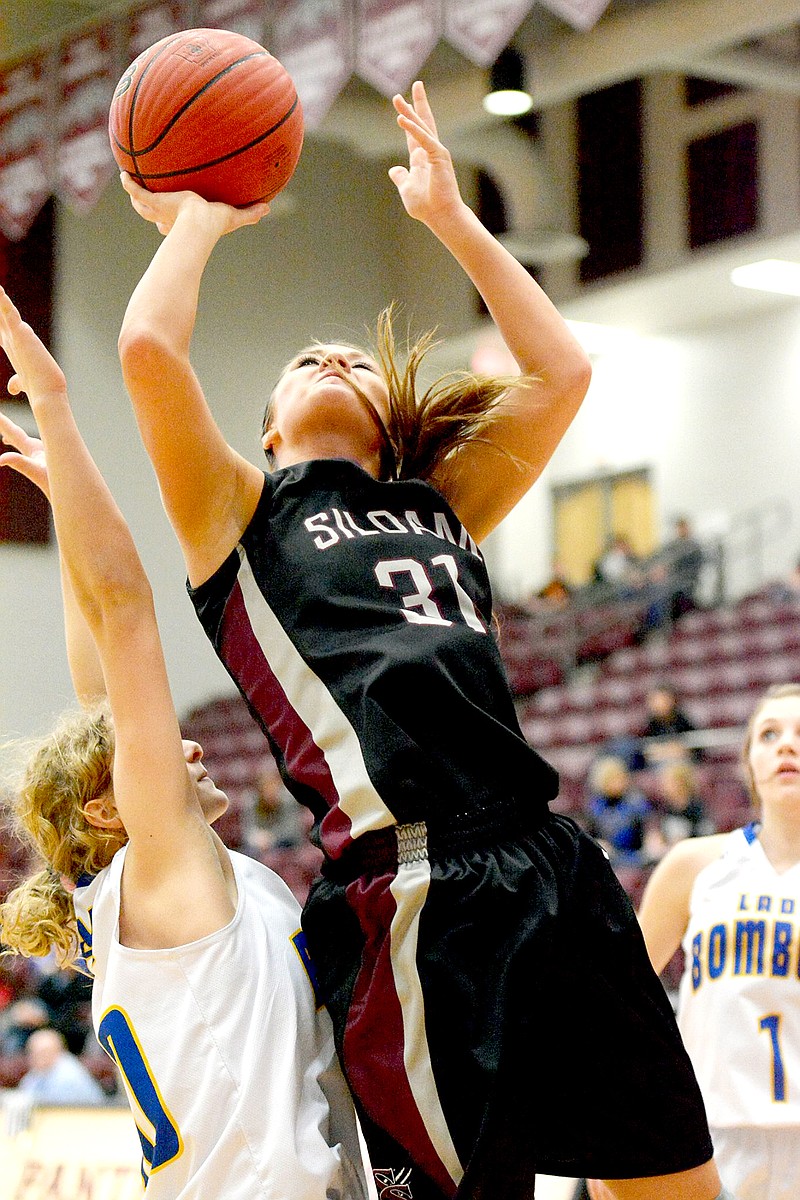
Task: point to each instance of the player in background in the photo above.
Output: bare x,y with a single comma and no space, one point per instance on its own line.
201,990
733,901
478,957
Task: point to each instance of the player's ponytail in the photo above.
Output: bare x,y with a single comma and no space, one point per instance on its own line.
424,431
38,917
69,768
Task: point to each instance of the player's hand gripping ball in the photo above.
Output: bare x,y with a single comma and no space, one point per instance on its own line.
207,111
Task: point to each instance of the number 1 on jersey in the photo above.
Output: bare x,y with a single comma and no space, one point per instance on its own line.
772,1024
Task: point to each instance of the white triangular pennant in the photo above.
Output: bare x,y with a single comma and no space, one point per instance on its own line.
480,29
87,75
395,38
149,25
313,39
25,179
581,14
240,16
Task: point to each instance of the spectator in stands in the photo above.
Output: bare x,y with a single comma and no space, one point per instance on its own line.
275,817
733,900
7,990
55,1075
278,834
666,724
787,589
679,810
616,811
68,997
20,1020
555,594
674,574
618,571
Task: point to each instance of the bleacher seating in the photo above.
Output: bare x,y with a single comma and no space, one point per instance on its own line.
719,661
541,647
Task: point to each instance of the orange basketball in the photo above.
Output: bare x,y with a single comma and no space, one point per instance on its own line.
207,111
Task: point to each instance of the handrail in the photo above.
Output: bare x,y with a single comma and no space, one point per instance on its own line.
742,560
734,564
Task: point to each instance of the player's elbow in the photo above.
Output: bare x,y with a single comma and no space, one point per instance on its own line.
579,374
569,389
144,353
564,385
114,593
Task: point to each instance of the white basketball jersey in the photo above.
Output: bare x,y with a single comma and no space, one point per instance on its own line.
227,1060
739,1002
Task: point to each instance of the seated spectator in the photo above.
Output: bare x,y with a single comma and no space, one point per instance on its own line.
7,989
68,997
103,1068
617,812
556,593
275,818
618,569
666,722
680,811
787,589
55,1075
19,1021
628,747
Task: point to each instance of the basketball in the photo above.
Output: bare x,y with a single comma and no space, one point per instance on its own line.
208,111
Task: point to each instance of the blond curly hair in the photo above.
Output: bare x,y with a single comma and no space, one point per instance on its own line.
66,770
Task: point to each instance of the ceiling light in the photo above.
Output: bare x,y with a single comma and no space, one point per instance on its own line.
508,96
770,275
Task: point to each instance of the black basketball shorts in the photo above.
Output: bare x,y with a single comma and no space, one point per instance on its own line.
496,1014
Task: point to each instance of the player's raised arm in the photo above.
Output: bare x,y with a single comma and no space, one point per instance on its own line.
489,479
26,456
155,798
208,489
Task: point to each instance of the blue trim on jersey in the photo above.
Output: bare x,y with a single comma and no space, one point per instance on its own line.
751,832
301,946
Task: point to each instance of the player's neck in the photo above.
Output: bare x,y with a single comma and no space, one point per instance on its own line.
332,446
780,839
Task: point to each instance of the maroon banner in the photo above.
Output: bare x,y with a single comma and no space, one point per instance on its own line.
240,16
152,23
581,14
25,155
480,29
314,39
88,71
395,38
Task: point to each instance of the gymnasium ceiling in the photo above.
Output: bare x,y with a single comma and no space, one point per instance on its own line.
753,43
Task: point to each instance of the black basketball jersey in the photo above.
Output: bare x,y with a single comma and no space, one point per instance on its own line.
355,617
